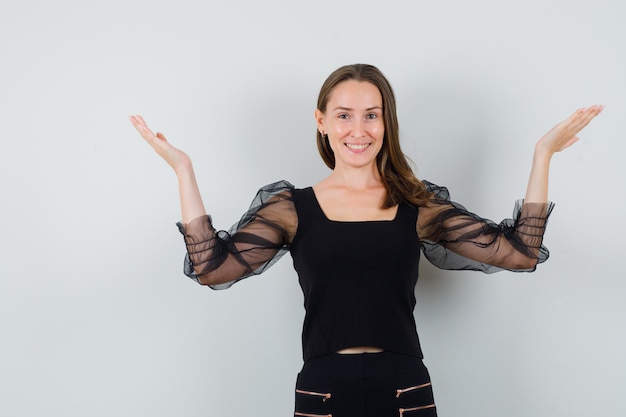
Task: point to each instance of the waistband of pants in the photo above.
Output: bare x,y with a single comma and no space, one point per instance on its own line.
361,365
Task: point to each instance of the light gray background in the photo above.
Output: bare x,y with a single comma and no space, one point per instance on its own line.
96,318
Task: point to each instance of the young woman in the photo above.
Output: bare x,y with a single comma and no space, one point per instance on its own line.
355,238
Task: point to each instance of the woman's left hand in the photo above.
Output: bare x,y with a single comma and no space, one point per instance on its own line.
564,134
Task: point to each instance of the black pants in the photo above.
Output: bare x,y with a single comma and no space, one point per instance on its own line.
364,385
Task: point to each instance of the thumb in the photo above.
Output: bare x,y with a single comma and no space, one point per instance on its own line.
570,143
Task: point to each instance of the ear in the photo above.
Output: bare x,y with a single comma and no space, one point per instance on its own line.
319,118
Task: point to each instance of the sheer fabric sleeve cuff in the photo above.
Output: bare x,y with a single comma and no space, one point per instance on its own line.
460,239
262,235
204,250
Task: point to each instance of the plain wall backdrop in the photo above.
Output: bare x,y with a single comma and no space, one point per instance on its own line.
96,318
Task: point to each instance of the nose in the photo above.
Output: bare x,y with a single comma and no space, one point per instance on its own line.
358,128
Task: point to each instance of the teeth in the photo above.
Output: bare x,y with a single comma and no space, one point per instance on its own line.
357,147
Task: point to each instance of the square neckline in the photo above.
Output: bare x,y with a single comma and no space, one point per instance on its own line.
321,211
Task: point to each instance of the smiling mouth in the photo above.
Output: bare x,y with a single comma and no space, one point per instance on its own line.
357,147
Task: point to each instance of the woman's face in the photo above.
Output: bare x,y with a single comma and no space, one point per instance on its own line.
354,123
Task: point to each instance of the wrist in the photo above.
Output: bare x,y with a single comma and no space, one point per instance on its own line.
184,169
542,155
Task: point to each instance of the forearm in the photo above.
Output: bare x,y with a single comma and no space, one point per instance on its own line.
537,189
191,204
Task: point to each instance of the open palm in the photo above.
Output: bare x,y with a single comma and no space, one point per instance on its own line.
173,156
564,134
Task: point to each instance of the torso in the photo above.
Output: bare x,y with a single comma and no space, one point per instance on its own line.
344,205
357,269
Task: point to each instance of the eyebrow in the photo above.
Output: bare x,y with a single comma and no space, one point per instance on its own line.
349,109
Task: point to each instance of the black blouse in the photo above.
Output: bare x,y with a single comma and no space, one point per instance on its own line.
359,286
358,278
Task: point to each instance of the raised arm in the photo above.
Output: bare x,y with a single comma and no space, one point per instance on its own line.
454,238
221,258
190,200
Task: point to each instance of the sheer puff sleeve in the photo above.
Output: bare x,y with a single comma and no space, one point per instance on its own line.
221,258
454,238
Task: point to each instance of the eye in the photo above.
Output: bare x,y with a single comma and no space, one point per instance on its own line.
342,116
372,116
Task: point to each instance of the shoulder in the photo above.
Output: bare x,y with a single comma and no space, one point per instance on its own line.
273,193
439,192
279,191
277,187
280,186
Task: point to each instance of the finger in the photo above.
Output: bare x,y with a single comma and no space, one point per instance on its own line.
137,122
582,117
140,120
592,111
142,128
585,112
587,116
596,110
140,123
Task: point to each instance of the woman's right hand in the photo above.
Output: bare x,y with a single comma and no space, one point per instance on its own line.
176,158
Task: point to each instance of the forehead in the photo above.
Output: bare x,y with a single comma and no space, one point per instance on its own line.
355,94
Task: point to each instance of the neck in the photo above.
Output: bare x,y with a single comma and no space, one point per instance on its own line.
356,178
